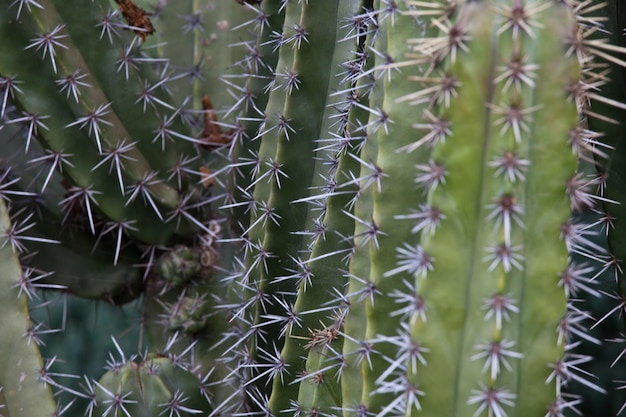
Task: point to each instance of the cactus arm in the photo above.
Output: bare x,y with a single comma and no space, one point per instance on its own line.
610,119
131,118
608,169
106,77
274,105
541,301
447,324
455,328
324,263
356,291
254,185
397,192
294,149
318,293
294,152
268,132
263,153
314,301
23,392
355,331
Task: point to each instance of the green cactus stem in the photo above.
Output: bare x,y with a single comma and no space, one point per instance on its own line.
318,286
507,244
100,269
23,388
154,385
204,51
603,155
393,198
297,129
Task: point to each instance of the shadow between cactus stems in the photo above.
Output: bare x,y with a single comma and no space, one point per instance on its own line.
84,345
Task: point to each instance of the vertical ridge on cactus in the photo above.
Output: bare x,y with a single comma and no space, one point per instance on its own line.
386,386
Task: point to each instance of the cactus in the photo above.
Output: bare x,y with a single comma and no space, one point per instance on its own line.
23,393
340,207
155,384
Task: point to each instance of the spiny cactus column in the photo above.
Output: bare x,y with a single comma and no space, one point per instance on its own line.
154,385
488,180
23,389
495,333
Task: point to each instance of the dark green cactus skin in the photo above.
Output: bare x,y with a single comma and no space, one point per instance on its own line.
350,207
124,185
91,273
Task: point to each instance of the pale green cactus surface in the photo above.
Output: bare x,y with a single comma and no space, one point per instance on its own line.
342,208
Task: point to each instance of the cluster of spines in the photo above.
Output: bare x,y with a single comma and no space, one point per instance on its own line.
305,321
